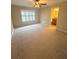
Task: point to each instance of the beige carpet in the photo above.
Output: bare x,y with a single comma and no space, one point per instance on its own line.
39,42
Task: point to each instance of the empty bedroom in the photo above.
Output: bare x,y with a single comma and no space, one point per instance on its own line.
39,29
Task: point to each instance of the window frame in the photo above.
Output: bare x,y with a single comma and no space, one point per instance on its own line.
29,14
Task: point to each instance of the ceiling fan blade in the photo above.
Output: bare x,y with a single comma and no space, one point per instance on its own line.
37,0
43,3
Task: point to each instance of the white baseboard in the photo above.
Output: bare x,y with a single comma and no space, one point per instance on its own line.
61,30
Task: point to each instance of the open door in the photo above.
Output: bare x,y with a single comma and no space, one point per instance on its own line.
54,15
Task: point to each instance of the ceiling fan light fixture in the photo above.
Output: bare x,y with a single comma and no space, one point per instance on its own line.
37,5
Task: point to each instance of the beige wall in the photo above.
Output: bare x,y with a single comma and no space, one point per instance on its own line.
12,28
45,15
16,16
62,17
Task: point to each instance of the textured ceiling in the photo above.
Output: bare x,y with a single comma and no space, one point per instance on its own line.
30,3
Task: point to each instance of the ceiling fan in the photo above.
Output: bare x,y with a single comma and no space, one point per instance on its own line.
38,4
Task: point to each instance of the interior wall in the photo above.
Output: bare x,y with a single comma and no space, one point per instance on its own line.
16,16
54,12
12,28
45,15
62,19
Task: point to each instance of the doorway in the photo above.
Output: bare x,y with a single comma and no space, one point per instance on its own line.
54,15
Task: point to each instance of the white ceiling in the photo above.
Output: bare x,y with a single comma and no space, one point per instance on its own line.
30,3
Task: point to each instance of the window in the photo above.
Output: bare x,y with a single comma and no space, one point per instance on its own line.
28,16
